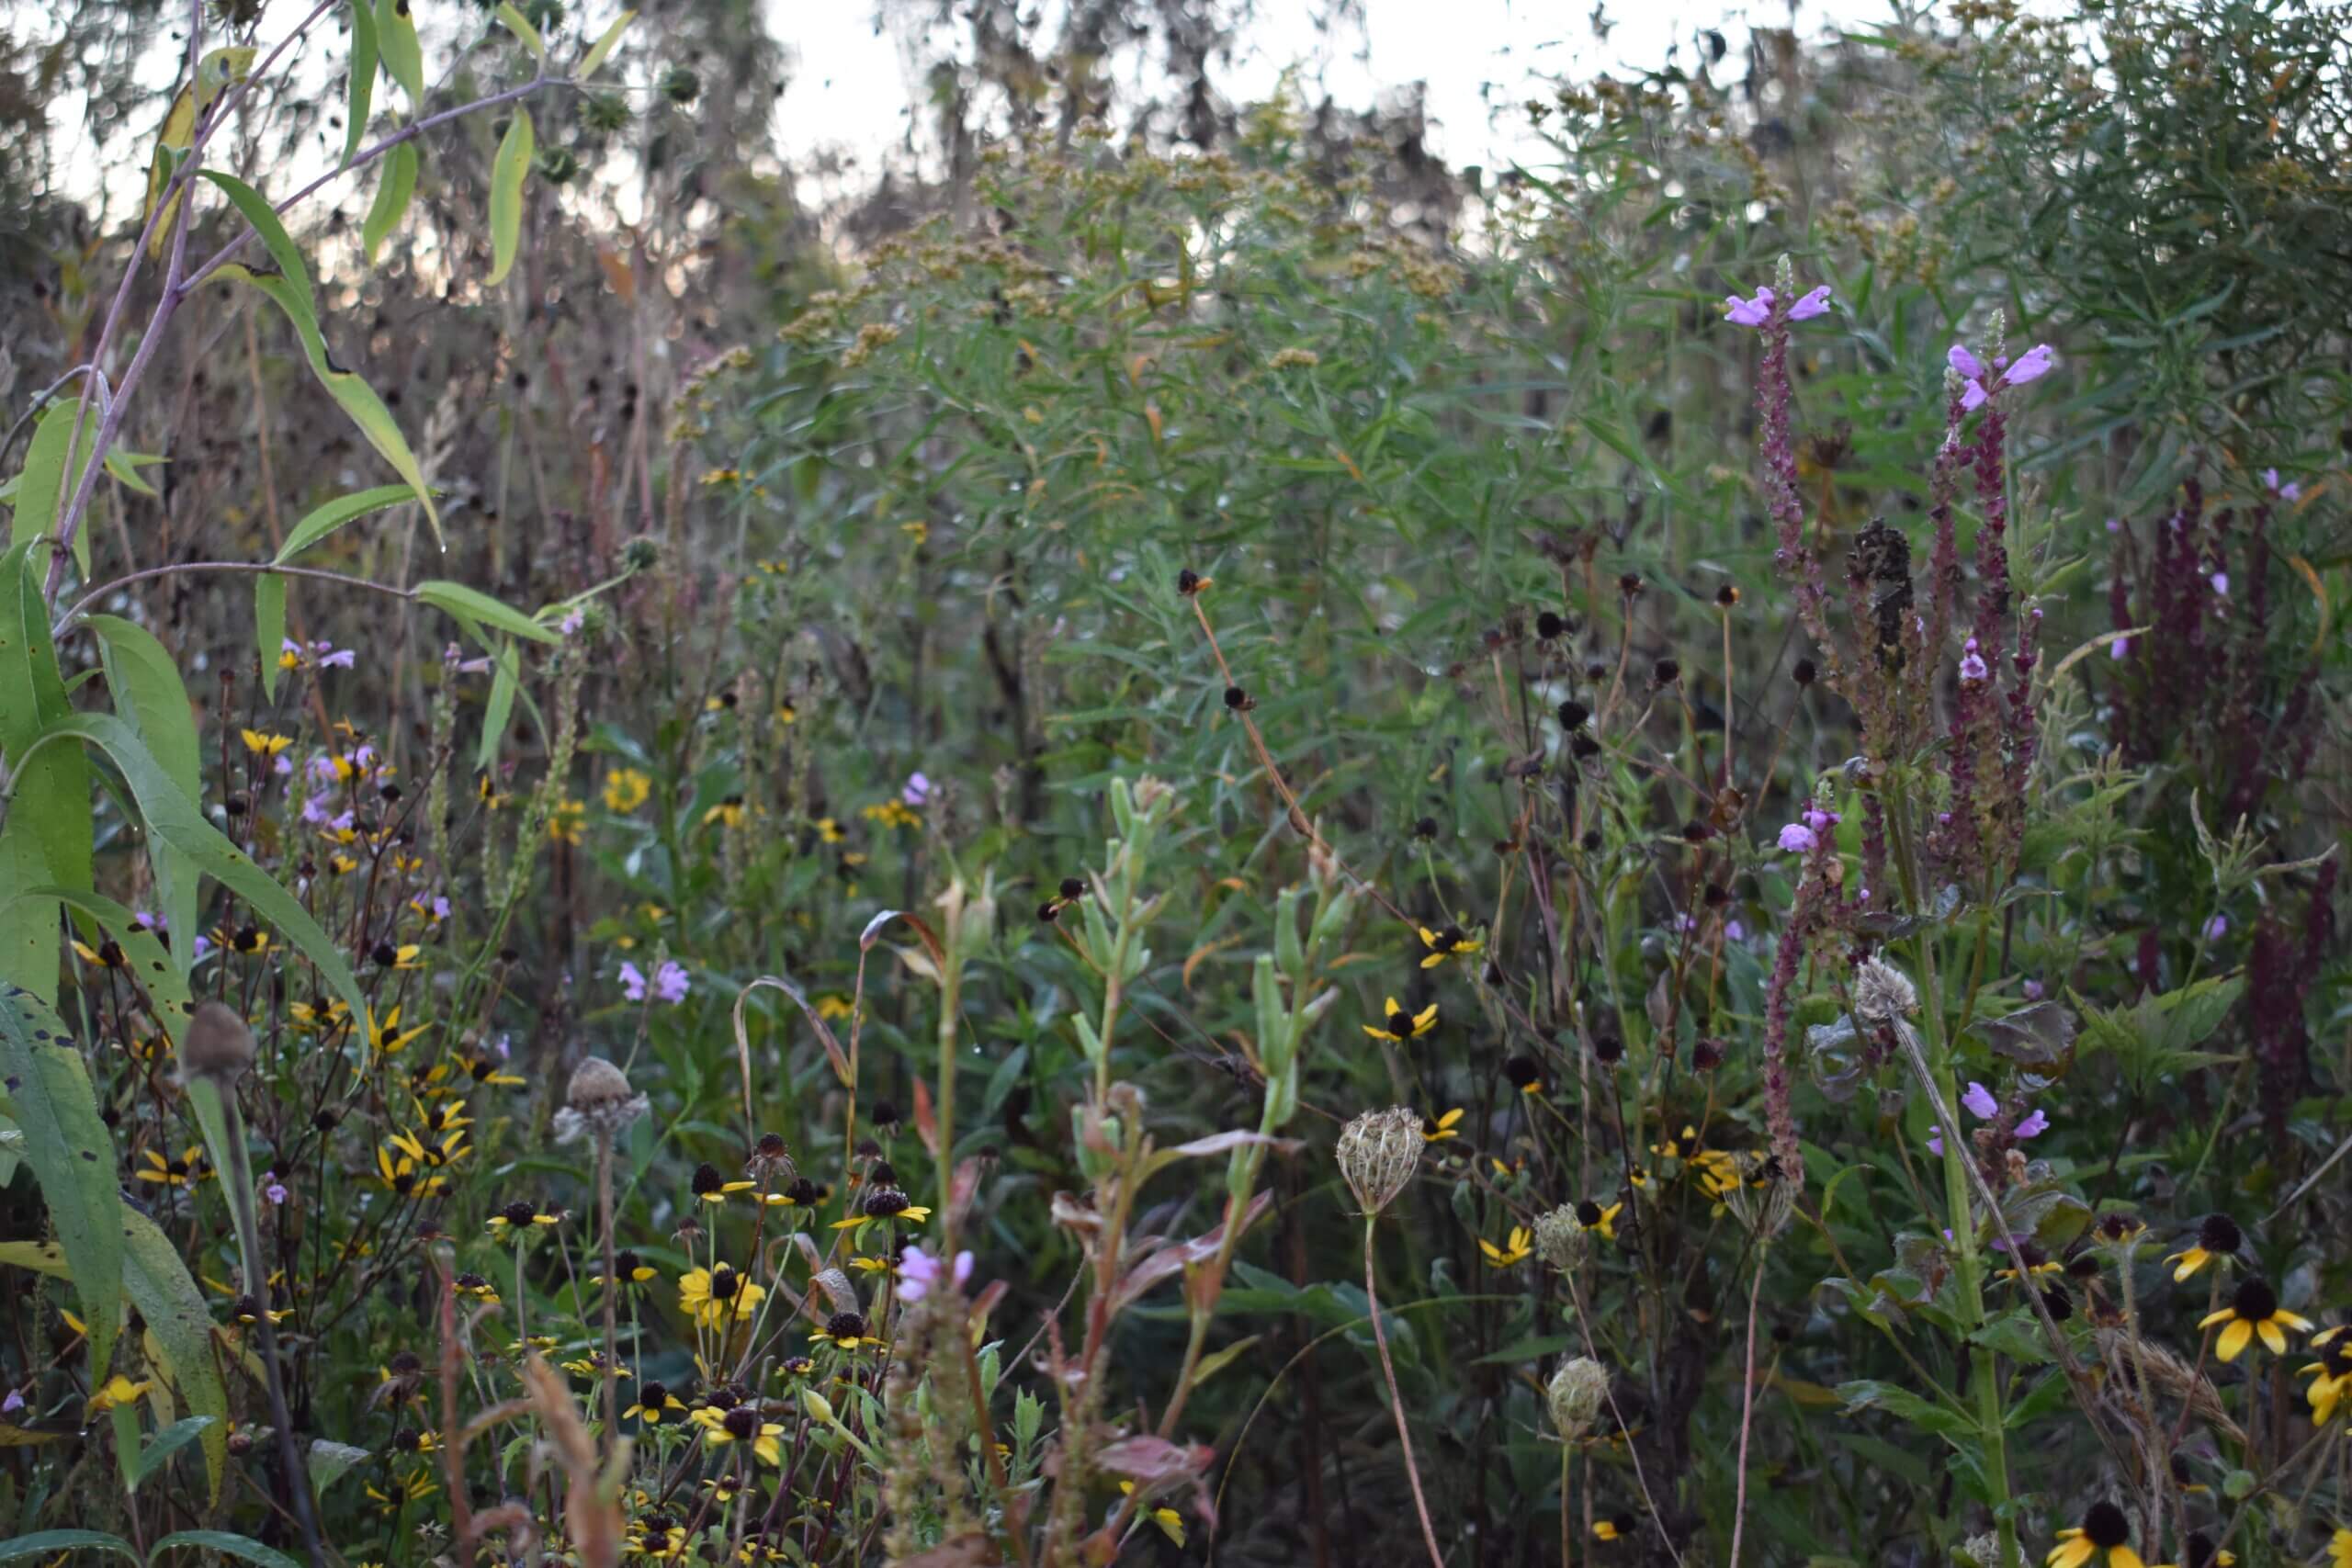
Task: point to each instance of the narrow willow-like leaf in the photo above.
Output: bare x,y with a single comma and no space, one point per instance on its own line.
361,100
597,56
269,625
159,1450
325,520
149,965
226,1544
145,680
521,27
471,605
255,209
506,176
42,488
346,388
47,836
394,186
155,1277
173,817
505,679
220,70
45,1544
72,1154
404,56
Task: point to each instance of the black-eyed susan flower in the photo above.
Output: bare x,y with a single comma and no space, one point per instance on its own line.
2103,1537
107,955
261,743
742,1425
884,1200
1170,1522
729,813
314,1016
626,789
1445,943
2217,1236
797,1366
183,1171
486,790
1514,1250
2331,1377
116,1390
1601,1222
655,1403
1398,1024
710,1187
249,942
474,1287
402,1173
2339,1549
398,1494
1437,1129
521,1216
1616,1526
721,1489
415,1441
629,1269
846,1330
489,1070
2254,1310
389,1037
832,1005
718,1297
1524,1074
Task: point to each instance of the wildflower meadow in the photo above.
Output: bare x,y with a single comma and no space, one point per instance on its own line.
1179,834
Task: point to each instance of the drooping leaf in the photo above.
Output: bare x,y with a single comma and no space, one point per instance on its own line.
47,835
269,625
149,967
603,47
506,176
145,681
228,1545
473,607
2037,1034
357,398
180,1326
43,1543
71,1155
174,818
404,56
330,1461
505,679
216,72
158,1451
361,99
394,186
44,487
255,209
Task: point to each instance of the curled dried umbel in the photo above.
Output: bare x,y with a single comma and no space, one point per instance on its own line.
1575,1396
1378,1153
598,1102
1560,1239
1883,992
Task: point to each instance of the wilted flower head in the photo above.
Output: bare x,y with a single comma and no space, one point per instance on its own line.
1560,1239
1883,992
1575,1395
599,1101
1378,1153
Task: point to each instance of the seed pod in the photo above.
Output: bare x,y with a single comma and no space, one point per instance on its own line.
218,1045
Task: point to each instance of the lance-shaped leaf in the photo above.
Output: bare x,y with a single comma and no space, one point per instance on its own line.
180,1328
362,93
474,609
506,175
590,63
71,1155
404,56
269,625
145,680
394,186
47,836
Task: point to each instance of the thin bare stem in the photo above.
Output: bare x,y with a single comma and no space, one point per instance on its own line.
1395,1402
1746,1406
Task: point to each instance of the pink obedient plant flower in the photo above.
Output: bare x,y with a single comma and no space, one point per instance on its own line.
919,1272
1755,312
1980,1102
2031,366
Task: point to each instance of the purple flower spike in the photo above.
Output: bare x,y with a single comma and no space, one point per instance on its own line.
1814,303
1753,313
2217,928
670,982
2031,366
632,982
1797,839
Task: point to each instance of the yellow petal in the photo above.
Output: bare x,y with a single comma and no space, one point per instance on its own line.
2235,1338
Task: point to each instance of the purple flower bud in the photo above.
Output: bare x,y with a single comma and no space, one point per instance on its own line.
2033,1126
2032,989
2217,928
670,982
1980,1102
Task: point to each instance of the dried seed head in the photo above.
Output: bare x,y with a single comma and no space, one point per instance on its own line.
1882,993
217,1045
596,1083
598,1102
1560,1239
1574,1394
1378,1153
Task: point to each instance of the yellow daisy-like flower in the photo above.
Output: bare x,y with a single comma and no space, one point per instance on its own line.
1601,1222
1442,1128
833,1006
521,1216
486,790
626,789
727,813
2217,1236
654,1405
828,831
567,819
263,744
404,956
847,1330
1402,1025
184,1171
1514,1250
117,1390
742,1424
2254,1310
389,1037
1170,1522
2339,1549
718,1297
314,1016
107,955
2331,1375
398,1494
1445,944
1617,1527
400,1173
628,1268
487,1070
2103,1537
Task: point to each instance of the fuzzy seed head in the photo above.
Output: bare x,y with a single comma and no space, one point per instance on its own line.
1574,1394
217,1045
1883,992
1560,1239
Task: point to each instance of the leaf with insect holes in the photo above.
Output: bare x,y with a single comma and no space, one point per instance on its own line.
72,1154
2036,1035
404,56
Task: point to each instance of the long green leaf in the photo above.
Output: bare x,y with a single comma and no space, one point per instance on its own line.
505,682
394,186
255,209
159,1450
472,604
597,56
42,489
151,965
362,99
269,625
346,387
517,24
171,817
506,175
42,1543
404,56
227,1545
160,1286
71,1157
145,680
47,836
325,520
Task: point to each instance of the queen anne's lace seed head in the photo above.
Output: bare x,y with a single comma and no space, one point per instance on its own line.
1574,1394
1560,1239
1883,992
1378,1153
